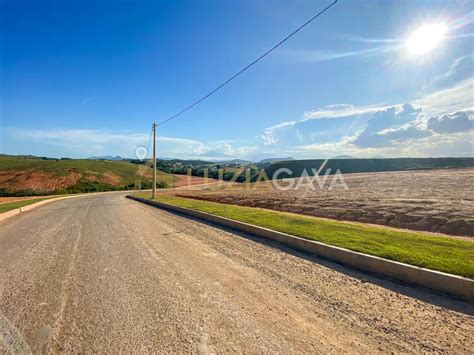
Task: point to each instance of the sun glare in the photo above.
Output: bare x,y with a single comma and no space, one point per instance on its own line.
425,39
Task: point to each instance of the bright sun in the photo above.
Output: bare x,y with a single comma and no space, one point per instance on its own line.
425,39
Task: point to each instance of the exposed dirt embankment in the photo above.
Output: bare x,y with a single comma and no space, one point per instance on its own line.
33,176
36,180
31,180
435,201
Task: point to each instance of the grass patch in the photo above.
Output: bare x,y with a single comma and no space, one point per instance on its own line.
8,206
450,255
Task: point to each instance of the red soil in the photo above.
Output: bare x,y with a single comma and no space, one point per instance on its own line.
34,180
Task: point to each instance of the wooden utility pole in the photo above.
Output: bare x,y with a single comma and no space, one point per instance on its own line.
154,161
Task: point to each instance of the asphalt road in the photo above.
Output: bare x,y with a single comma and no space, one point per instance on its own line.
102,273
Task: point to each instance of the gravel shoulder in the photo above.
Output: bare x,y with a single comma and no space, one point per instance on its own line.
103,273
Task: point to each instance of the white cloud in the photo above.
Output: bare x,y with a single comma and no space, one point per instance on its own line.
408,131
438,120
222,150
431,145
437,123
270,135
460,121
84,142
325,55
396,123
436,145
88,140
338,111
268,138
459,69
444,145
456,98
97,138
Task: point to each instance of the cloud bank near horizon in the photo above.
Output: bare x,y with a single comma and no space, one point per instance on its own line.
438,123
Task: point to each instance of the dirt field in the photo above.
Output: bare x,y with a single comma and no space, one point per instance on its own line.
436,201
185,180
33,180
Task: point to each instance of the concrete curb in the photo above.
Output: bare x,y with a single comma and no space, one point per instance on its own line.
452,284
10,213
26,208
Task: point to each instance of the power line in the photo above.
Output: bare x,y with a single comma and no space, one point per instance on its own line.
249,65
149,141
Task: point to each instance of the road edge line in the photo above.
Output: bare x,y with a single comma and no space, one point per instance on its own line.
455,285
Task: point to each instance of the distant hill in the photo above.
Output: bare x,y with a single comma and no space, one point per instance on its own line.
236,161
344,157
273,160
368,165
21,176
106,157
165,164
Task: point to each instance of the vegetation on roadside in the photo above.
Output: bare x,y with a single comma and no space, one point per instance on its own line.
8,206
451,255
234,170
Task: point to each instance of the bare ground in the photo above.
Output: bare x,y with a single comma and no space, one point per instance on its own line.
185,180
440,201
36,180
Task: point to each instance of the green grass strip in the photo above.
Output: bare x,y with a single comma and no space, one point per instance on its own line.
8,206
450,255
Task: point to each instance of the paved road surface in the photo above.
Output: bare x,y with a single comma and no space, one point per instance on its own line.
101,272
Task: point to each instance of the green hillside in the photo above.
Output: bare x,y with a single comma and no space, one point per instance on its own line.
21,176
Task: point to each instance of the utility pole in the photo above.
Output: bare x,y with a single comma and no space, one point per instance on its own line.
154,161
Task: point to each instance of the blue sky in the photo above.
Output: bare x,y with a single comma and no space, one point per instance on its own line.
84,78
